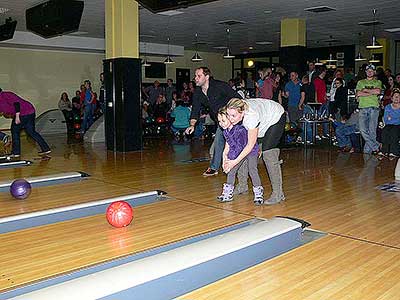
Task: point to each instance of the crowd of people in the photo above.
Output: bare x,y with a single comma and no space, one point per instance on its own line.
84,108
251,122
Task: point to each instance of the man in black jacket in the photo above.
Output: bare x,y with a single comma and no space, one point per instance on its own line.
213,94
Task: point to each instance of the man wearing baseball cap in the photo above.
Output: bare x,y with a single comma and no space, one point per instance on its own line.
368,91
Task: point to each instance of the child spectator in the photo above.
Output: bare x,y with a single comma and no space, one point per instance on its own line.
391,131
344,130
236,141
182,118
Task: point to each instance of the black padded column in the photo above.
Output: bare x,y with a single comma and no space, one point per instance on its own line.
293,58
123,126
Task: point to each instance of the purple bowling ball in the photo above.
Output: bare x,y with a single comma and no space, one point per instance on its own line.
20,189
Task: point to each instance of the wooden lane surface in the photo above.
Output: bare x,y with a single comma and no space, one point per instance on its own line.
335,192
45,197
42,252
330,268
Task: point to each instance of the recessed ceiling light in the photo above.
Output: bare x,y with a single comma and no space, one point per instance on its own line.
147,36
3,10
170,13
264,43
230,22
370,23
392,29
267,11
319,9
79,33
251,47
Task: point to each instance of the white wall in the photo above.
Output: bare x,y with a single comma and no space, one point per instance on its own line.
40,76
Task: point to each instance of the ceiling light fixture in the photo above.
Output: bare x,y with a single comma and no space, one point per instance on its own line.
317,62
168,60
196,57
145,63
331,59
359,57
374,59
227,53
374,44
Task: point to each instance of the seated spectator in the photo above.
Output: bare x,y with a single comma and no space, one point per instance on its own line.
145,110
65,106
160,107
181,114
345,129
340,103
391,131
387,97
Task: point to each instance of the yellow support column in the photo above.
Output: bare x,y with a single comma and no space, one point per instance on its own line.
293,44
122,28
122,76
293,32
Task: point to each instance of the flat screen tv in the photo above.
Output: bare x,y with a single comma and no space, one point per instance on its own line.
155,70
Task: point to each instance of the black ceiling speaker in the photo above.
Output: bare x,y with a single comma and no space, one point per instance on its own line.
54,17
7,30
156,6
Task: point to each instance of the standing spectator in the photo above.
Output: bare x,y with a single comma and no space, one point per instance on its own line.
213,94
102,97
266,89
320,96
311,71
368,91
153,92
292,91
307,96
169,90
23,114
278,88
65,106
391,131
87,106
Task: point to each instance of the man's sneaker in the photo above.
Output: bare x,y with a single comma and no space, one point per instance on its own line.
44,153
210,172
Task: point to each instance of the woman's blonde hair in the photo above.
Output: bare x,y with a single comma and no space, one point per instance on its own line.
239,104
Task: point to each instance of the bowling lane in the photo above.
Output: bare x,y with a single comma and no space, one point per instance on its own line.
45,197
37,253
329,268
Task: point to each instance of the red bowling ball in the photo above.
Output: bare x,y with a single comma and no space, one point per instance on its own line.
119,214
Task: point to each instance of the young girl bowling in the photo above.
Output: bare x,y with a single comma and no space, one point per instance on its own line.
236,140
